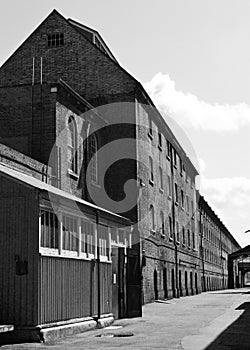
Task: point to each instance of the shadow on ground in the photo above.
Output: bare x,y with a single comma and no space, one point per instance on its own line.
237,335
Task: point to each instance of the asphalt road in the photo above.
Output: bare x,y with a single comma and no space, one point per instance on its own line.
211,321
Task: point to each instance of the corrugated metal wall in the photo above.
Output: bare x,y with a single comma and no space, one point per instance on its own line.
19,244
68,289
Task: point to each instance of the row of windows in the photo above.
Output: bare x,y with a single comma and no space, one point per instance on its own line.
172,154
178,231
78,236
73,151
211,257
178,192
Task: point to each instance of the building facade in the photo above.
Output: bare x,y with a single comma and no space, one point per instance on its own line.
216,244
64,98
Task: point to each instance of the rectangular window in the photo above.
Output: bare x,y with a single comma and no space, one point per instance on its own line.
175,158
151,169
87,237
49,230
182,199
70,239
168,149
176,193
169,186
160,141
170,227
187,203
55,40
177,233
189,238
103,239
193,240
150,127
161,177
183,236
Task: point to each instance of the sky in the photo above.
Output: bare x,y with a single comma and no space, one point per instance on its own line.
193,58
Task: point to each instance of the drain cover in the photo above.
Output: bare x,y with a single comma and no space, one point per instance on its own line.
115,335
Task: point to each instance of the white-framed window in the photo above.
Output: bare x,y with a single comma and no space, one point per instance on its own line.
72,145
103,236
93,148
55,39
87,237
70,238
49,230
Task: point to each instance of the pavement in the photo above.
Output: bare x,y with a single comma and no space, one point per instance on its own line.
218,320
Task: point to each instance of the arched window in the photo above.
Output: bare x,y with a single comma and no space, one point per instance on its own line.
152,216
93,158
162,223
151,169
72,145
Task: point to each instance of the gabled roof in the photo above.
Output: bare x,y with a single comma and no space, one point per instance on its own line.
240,252
44,187
94,35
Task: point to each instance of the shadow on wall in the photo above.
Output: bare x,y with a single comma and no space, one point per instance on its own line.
237,335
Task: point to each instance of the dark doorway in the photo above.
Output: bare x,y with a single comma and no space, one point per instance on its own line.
186,282
165,283
118,282
173,282
180,284
155,285
191,283
196,283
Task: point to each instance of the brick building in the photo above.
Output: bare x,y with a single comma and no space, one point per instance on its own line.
54,93
216,244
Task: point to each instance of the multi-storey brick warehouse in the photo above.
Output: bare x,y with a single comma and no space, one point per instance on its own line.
53,83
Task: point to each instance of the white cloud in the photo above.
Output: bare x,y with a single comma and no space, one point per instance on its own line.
187,109
230,200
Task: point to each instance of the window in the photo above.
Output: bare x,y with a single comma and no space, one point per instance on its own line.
181,167
189,240
152,218
187,201
169,186
93,158
55,40
170,227
193,240
183,236
49,230
175,158
72,145
103,237
192,209
177,233
150,127
70,235
162,224
151,169
169,149
160,140
176,193
182,199
161,177
87,237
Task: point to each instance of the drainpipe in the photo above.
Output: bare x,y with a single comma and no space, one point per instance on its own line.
98,268
174,233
